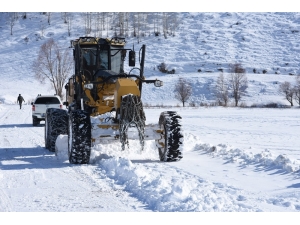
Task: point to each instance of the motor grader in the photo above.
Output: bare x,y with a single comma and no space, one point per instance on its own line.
104,103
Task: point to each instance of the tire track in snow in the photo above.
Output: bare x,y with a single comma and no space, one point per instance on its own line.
35,180
14,122
5,203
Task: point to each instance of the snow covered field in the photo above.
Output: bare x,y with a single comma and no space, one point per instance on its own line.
234,159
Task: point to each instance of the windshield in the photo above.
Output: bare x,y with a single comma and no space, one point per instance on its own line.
92,62
116,61
47,100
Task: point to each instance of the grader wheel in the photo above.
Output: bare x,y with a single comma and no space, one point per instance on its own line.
56,123
170,144
79,137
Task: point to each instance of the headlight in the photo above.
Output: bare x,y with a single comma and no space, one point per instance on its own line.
88,86
108,97
158,83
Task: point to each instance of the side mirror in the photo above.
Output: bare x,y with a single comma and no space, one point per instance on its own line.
131,58
66,104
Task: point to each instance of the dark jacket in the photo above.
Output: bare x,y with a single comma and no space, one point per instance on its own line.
20,99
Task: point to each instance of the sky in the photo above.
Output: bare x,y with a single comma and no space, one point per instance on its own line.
234,159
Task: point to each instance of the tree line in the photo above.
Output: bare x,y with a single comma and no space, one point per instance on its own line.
100,24
234,86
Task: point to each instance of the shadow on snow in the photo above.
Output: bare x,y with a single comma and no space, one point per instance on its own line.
20,125
28,158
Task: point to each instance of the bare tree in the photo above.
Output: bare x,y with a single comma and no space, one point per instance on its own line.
69,18
104,23
100,23
156,20
165,23
12,18
144,24
42,27
174,23
127,16
121,23
139,25
64,16
237,81
221,90
183,90
134,23
49,17
53,64
88,22
97,24
297,90
107,24
288,91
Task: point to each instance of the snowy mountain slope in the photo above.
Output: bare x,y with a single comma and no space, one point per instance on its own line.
210,41
203,41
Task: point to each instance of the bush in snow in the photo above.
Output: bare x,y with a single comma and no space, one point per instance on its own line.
163,68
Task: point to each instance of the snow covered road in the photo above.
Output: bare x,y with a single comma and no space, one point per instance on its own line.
212,176
33,180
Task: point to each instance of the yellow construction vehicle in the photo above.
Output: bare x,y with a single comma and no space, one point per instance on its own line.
104,103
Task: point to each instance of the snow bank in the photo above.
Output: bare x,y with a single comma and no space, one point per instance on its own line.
179,192
160,186
236,155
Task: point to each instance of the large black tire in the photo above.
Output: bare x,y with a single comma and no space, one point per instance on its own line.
79,137
56,123
47,131
170,144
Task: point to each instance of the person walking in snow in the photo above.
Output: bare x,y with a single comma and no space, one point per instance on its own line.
20,100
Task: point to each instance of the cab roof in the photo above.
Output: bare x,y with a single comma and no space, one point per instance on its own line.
116,41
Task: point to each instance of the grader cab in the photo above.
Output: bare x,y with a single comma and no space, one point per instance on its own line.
104,103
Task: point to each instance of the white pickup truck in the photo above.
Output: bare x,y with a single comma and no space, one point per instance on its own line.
41,104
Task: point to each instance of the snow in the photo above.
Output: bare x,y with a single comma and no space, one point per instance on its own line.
235,159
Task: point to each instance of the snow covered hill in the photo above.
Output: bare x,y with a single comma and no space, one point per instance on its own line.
206,42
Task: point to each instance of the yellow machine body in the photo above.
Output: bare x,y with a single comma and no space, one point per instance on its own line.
125,86
110,95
